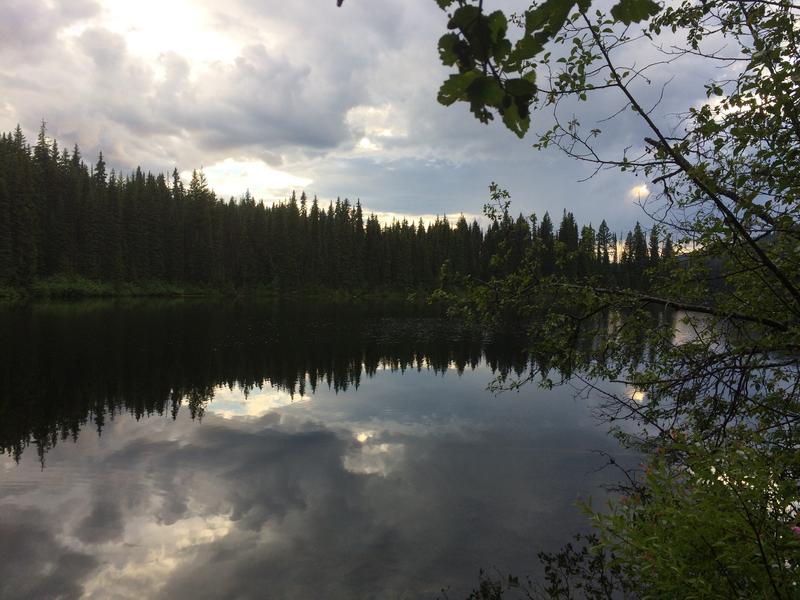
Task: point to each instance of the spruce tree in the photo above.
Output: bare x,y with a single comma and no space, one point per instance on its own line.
548,245
654,246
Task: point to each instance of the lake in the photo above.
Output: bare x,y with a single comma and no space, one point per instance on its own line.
223,449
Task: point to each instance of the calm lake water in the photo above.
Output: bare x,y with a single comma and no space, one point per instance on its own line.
241,450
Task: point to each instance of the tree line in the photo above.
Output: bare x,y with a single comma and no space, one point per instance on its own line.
60,216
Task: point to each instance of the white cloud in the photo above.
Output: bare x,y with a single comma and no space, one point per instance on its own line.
232,177
370,458
367,145
151,552
376,121
229,403
387,218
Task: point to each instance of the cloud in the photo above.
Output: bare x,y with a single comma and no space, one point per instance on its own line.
29,29
231,178
34,563
102,524
345,98
387,218
180,28
376,122
230,402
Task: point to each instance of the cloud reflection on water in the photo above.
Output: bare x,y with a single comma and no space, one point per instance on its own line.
339,497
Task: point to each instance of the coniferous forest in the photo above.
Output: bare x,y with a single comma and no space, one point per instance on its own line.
60,216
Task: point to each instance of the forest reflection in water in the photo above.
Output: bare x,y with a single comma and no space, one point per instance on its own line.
260,450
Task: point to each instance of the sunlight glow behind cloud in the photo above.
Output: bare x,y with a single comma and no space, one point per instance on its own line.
155,27
367,145
639,192
233,177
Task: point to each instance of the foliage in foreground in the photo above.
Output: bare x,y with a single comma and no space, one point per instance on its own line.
712,397
722,525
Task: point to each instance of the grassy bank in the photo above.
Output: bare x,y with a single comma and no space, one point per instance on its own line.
79,287
66,287
9,293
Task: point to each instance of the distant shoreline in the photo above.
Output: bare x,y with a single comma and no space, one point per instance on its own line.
75,288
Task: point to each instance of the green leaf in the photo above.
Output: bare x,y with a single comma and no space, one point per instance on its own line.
455,88
515,122
520,87
634,11
501,50
485,90
498,25
550,16
525,49
443,4
447,45
464,17
536,18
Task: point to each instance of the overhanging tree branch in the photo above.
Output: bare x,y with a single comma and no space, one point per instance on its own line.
664,145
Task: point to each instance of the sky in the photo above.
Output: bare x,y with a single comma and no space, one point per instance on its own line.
275,96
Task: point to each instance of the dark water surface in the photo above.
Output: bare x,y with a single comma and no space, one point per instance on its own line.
239,450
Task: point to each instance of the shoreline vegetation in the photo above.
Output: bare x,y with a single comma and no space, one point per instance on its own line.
65,287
